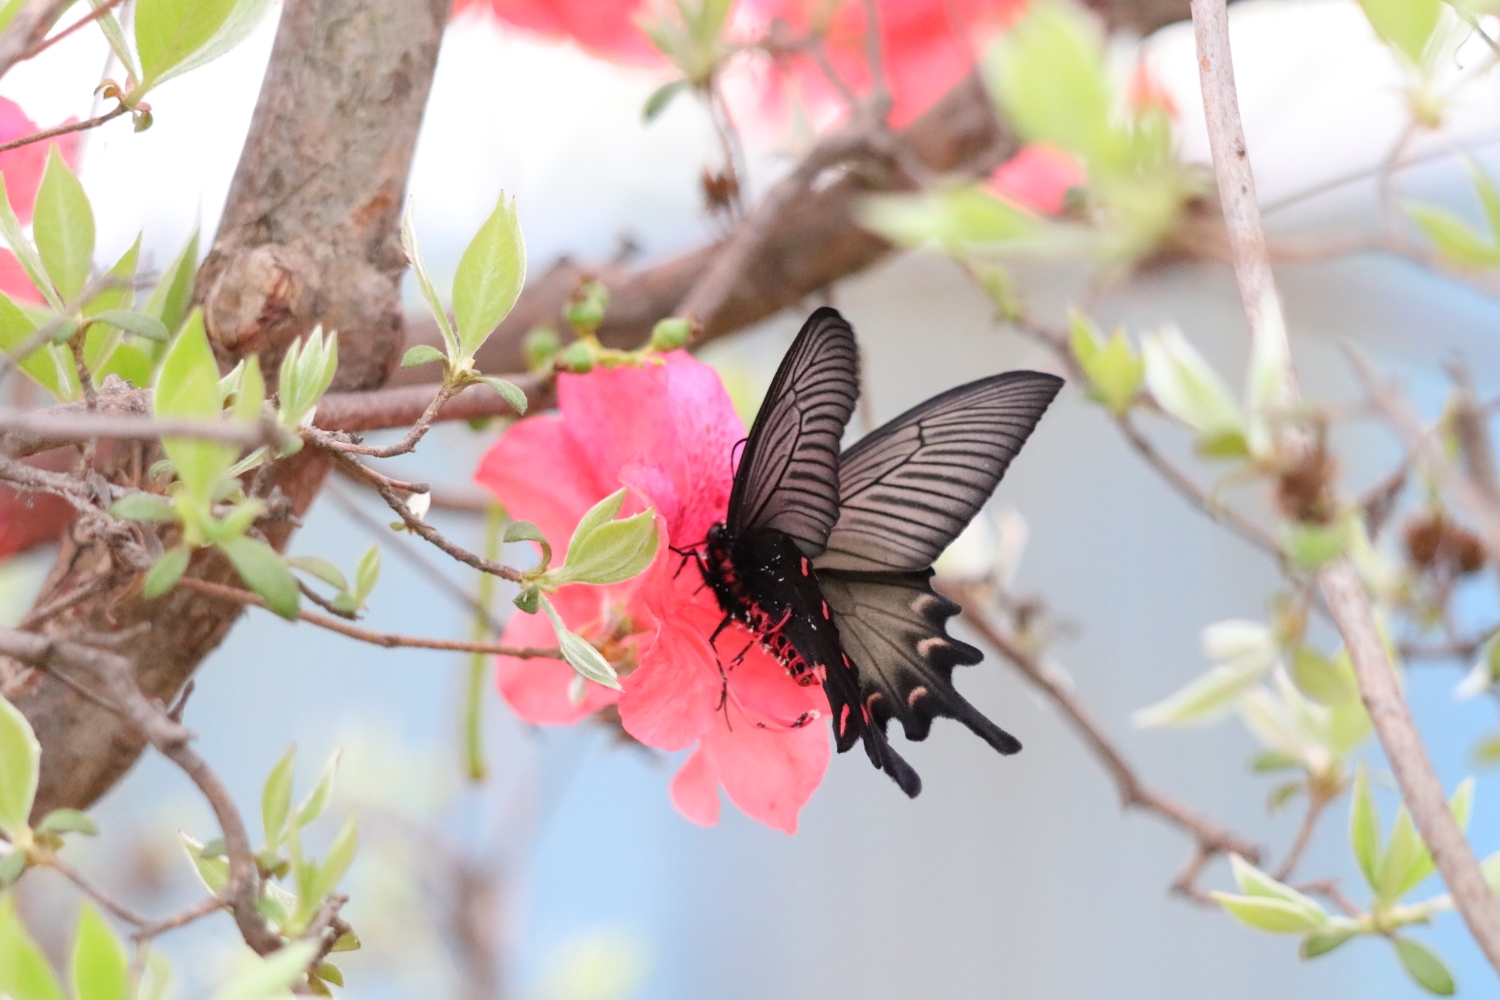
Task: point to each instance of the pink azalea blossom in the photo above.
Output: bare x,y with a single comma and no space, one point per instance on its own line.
667,431
1039,177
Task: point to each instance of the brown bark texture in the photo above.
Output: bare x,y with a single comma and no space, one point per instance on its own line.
309,236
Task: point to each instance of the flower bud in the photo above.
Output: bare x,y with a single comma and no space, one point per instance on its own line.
671,333
578,357
539,346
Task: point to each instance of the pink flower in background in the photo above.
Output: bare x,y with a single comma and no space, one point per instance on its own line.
667,432
604,28
1039,177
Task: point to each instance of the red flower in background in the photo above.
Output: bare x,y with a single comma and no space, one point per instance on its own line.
666,431
1039,177
605,28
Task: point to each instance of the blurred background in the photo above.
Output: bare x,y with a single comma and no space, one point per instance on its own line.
569,874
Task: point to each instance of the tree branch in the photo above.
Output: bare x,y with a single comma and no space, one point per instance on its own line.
1375,673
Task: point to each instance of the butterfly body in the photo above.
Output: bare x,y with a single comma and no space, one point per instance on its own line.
826,557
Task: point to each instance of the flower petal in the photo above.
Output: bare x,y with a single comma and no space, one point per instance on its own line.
537,689
695,790
541,474
769,774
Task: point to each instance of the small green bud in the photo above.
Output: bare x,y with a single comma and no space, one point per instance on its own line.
671,333
529,600
585,316
539,346
578,357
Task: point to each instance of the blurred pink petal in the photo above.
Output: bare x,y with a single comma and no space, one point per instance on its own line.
605,28
1039,177
24,165
15,282
537,690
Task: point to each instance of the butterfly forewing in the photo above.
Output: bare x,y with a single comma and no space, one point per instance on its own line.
894,628
907,489
788,475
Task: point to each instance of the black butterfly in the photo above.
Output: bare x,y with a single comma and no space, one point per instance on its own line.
827,558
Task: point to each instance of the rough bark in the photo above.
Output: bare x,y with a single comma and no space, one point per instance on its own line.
309,235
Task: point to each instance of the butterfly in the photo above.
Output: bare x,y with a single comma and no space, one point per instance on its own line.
827,558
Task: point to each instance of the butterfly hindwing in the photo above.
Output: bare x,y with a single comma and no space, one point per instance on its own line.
788,474
907,489
893,627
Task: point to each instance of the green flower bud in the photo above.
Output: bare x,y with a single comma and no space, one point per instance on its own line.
539,346
671,333
578,357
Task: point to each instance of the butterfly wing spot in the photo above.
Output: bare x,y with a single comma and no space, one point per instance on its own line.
826,615
926,646
805,568
917,694
924,602
843,720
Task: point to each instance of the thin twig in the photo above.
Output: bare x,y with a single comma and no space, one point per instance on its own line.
125,913
28,29
390,640
77,25
23,432
1316,801
405,446
1350,606
53,133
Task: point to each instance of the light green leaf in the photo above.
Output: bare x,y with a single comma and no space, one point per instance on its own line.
512,393
272,977
1425,966
1328,937
1184,385
420,355
1320,678
1405,25
63,226
213,871
660,98
329,972
250,394
170,298
1254,882
610,552
424,282
334,867
489,279
959,219
156,983
242,20
115,36
1113,369
1269,914
1489,197
187,387
24,972
139,324
1405,856
579,652
68,821
367,574
317,800
525,531
116,297
165,572
49,366
320,568
31,262
167,32
101,969
1454,239
20,757
1202,699
276,798
262,570
1364,828
1047,73
307,370
600,514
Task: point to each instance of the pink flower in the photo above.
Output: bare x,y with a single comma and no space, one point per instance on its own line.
24,165
667,431
1039,177
605,28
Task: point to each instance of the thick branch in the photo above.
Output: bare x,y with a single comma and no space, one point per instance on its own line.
1376,675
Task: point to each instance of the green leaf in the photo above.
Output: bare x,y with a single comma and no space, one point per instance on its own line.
579,652
1269,761
165,572
512,393
147,508
329,972
1202,699
262,570
424,282
12,866
1364,828
959,219
276,798
101,969
660,98
1269,914
1328,937
488,280
347,941
596,516
213,870
63,225
68,821
321,569
1405,857
1425,966
1113,369
528,600
187,387
1405,25
366,574
117,296
334,867
272,977
24,972
156,983
525,531
241,21
1185,385
250,394
1452,237
31,262
1489,198
422,354
167,32
1320,678
1254,882
1310,546
139,324
49,366
20,757
170,299
610,552
307,370
317,800
1047,74
115,35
